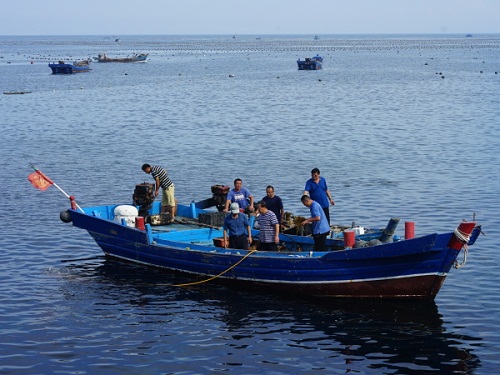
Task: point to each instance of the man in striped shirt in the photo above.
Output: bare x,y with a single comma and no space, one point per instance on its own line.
168,190
269,235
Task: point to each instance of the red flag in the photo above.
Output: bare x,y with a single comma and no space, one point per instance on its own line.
40,181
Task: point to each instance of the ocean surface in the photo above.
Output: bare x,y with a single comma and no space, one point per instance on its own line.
401,126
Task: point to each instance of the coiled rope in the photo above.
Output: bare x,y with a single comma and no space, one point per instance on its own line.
220,274
464,239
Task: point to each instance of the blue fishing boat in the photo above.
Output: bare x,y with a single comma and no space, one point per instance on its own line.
64,68
310,63
391,268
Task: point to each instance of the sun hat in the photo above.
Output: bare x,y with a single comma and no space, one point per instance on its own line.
235,208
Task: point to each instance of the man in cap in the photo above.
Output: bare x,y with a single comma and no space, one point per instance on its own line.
237,227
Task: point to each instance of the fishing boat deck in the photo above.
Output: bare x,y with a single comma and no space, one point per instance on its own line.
187,232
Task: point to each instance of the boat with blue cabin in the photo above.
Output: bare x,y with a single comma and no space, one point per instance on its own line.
310,63
64,68
357,262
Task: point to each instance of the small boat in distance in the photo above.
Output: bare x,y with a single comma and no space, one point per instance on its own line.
16,92
310,63
136,57
64,68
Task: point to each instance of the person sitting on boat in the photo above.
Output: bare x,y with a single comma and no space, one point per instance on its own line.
320,225
241,196
269,235
236,225
168,190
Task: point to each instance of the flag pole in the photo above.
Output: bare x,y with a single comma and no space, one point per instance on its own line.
71,198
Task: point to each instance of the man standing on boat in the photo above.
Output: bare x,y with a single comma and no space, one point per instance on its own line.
241,196
238,227
320,225
317,189
269,235
274,203
168,190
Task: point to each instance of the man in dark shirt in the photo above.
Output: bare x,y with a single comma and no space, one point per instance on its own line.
274,203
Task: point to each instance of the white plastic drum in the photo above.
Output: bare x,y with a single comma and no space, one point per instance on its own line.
126,212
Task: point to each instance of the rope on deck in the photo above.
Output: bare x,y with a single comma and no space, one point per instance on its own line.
220,274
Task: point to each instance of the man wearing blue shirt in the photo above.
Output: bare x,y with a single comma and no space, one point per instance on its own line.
317,189
241,196
320,226
237,226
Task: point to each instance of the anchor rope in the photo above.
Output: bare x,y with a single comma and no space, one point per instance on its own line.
464,239
220,274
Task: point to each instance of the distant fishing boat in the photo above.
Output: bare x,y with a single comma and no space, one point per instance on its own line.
64,68
16,92
310,63
141,57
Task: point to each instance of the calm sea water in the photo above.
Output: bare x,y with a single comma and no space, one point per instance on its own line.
400,126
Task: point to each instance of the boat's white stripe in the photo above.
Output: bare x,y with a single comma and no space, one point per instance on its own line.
441,274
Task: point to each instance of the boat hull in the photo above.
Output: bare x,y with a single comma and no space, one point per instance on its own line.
136,58
313,63
309,65
413,268
68,68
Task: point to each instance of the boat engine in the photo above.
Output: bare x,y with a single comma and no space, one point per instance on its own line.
219,196
144,197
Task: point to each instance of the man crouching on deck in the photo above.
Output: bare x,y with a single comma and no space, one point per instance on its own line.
320,227
161,178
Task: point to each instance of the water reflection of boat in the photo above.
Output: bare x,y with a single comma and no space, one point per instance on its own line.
383,334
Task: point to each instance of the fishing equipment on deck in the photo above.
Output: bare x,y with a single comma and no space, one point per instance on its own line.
143,197
219,195
159,219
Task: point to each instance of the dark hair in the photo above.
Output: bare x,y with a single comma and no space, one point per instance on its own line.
315,170
262,204
270,187
238,179
144,166
304,198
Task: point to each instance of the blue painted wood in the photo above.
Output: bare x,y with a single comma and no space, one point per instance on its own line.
312,63
62,68
413,268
